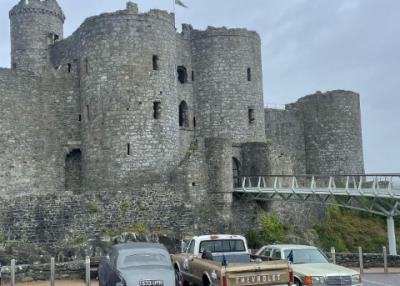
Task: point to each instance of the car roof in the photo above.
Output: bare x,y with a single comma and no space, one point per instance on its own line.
291,246
218,236
139,245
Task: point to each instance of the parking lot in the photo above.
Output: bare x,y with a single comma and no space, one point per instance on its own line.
392,279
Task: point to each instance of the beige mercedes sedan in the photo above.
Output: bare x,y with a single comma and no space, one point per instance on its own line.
310,266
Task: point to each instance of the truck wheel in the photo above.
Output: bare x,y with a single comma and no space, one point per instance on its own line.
297,282
206,282
184,282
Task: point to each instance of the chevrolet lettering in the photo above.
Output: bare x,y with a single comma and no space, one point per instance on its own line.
257,279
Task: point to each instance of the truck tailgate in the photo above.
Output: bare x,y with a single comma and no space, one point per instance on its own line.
270,273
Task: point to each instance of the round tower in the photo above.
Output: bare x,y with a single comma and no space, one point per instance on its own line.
228,85
35,24
332,132
129,102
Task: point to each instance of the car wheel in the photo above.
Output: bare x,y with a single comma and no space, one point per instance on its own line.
297,282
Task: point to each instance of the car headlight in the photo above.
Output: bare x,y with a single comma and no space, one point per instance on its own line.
314,280
355,279
318,279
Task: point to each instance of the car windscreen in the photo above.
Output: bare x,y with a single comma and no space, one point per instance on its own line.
301,256
222,245
136,259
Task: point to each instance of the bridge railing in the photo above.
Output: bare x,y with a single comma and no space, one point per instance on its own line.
348,182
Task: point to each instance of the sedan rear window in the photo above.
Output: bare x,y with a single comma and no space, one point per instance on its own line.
145,259
222,245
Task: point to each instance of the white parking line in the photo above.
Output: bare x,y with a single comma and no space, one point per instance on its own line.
376,283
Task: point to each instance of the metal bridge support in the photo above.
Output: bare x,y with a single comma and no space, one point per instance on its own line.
391,235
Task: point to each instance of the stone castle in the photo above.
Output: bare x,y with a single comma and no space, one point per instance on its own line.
128,122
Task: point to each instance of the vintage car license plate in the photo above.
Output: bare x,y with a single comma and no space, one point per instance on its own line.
151,283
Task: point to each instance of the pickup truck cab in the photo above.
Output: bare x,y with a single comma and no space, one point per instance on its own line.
225,260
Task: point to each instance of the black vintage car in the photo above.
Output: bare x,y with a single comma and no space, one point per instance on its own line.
138,264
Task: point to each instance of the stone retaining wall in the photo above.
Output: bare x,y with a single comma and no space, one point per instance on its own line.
370,260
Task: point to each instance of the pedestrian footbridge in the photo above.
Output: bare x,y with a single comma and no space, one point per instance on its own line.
374,193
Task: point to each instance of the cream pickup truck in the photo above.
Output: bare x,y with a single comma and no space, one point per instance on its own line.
224,260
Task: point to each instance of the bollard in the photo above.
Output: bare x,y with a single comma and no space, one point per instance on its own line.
385,263
333,255
360,255
87,263
12,272
52,271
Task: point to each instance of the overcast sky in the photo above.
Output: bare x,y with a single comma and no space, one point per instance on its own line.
307,45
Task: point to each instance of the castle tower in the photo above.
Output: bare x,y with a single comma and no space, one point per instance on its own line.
228,85
129,103
332,132
35,24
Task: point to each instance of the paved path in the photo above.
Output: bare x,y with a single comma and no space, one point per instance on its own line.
391,279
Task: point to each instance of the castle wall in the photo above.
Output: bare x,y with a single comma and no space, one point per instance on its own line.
187,130
224,94
32,136
119,88
332,132
285,137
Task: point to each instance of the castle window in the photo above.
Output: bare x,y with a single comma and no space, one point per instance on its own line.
128,149
79,118
183,114
192,75
182,74
14,66
87,112
69,67
155,63
156,110
194,122
87,65
249,74
236,172
251,115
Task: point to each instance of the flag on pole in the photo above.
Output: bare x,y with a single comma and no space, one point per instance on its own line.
180,3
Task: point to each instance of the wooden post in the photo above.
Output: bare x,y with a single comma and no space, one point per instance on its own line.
13,272
333,255
87,264
360,255
385,263
52,271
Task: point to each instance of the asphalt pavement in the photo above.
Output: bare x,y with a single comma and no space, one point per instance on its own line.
390,279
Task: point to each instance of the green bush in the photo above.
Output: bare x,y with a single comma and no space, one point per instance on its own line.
270,231
346,230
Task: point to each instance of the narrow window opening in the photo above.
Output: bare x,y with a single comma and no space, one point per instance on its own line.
69,67
183,114
87,65
87,112
194,122
79,118
251,115
248,74
155,62
236,172
14,66
193,184
156,109
192,75
128,149
182,74
56,37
